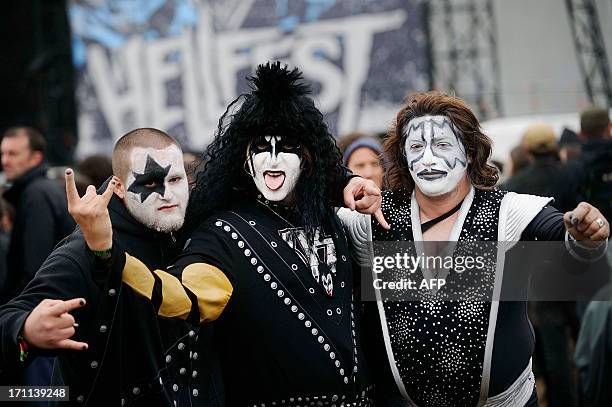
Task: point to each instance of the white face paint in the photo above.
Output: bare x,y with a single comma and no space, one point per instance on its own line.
274,165
436,156
156,188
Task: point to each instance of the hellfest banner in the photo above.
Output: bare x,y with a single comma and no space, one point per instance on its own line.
177,64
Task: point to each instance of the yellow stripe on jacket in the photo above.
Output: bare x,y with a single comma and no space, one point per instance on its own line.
208,283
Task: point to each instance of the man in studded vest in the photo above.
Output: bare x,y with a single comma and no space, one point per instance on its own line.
440,350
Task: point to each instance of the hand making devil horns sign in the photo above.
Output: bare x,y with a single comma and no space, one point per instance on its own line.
91,212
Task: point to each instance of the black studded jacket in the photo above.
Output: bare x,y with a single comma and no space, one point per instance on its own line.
290,333
286,310
134,357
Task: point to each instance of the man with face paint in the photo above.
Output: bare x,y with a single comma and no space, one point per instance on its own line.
464,352
156,195
261,218
115,346
436,157
274,164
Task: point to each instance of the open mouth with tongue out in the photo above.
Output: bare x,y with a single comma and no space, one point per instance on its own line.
274,179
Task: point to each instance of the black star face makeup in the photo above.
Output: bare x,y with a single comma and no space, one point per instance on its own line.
151,180
158,191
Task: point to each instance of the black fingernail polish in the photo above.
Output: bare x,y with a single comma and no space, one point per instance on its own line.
82,302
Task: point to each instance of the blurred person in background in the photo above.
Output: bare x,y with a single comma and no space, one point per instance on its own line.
41,220
519,159
363,157
545,174
592,172
555,323
97,168
595,165
348,139
570,147
41,215
593,355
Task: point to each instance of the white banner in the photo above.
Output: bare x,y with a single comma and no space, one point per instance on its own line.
176,65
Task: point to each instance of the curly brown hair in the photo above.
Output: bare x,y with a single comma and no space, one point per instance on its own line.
478,146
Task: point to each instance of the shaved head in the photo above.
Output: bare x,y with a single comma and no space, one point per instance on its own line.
142,137
150,165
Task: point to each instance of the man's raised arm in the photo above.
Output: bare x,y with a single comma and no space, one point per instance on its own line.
191,289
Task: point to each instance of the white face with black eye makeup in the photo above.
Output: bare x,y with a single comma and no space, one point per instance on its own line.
275,165
436,156
157,190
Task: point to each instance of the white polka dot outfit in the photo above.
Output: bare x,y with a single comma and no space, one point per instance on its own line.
439,346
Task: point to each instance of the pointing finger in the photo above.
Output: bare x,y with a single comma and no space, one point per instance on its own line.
381,219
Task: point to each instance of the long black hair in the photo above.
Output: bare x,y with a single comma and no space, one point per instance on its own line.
277,104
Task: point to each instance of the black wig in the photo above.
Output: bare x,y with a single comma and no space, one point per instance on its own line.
277,104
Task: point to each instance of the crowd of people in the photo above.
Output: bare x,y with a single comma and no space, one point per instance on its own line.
237,282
